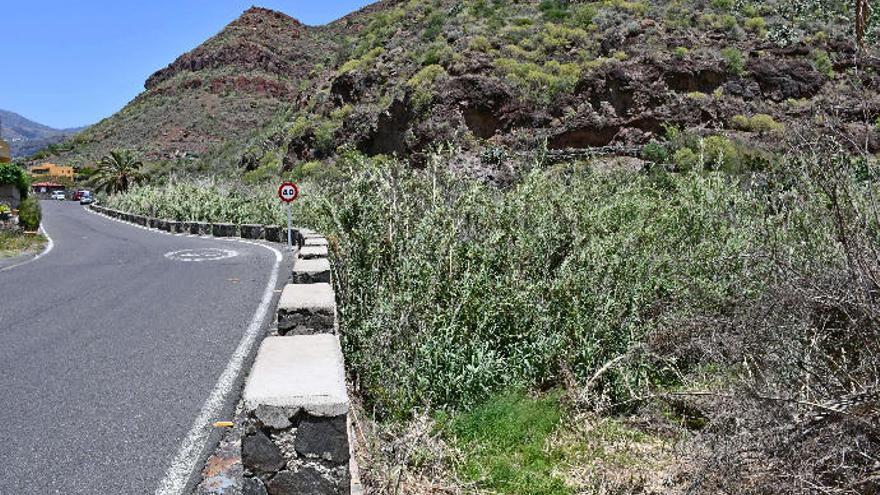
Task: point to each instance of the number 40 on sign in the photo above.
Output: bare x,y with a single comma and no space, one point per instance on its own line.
288,192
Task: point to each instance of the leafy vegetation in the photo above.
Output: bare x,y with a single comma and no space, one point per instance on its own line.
117,171
11,173
30,214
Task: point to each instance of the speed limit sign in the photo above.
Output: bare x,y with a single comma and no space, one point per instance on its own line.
288,192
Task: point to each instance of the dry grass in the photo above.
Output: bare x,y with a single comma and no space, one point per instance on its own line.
13,243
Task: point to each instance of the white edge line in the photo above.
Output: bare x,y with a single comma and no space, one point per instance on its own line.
179,473
49,245
186,461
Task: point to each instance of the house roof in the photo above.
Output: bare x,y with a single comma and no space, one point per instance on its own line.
46,184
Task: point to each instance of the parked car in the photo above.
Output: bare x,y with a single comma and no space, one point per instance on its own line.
59,195
86,198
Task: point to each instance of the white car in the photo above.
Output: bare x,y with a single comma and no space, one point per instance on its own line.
59,195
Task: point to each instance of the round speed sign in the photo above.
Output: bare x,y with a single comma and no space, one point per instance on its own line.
288,192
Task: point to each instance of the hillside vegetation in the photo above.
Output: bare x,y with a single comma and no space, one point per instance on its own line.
579,247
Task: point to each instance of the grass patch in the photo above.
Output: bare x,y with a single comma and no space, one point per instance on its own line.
14,243
504,445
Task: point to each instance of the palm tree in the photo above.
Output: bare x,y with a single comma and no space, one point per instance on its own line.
117,171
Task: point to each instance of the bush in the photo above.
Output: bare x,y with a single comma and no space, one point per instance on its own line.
686,159
655,152
734,60
756,25
760,123
30,214
11,173
763,123
741,122
822,62
424,85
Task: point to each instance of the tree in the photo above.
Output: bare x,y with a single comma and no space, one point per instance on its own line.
863,13
117,172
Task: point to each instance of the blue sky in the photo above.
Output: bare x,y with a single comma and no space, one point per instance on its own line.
71,63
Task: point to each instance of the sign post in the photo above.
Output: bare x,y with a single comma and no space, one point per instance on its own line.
288,192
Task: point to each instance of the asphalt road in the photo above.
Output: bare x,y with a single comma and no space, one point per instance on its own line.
109,350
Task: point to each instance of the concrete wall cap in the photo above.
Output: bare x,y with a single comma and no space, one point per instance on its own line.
316,241
313,252
307,296
315,265
305,371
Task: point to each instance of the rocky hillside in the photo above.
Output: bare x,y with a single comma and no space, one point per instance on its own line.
496,78
26,137
233,83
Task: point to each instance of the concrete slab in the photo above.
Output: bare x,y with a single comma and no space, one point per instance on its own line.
305,309
311,271
316,241
311,252
303,372
307,296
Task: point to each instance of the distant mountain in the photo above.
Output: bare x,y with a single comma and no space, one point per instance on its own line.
26,137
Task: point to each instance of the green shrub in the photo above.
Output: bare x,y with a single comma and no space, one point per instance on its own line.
686,159
583,15
734,60
728,22
480,43
655,152
721,153
760,123
554,10
763,123
680,52
741,122
11,173
822,62
424,85
30,214
756,25
439,53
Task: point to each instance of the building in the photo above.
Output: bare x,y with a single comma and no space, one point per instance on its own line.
51,171
5,153
46,187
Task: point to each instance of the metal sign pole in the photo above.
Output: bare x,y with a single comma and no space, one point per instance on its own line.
289,227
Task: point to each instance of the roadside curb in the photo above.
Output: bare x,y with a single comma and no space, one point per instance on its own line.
273,407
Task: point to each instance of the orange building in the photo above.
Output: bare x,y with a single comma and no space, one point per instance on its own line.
5,154
50,170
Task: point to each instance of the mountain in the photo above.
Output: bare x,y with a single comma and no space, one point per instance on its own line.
26,137
235,82
496,78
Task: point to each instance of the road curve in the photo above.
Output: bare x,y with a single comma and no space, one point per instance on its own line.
109,350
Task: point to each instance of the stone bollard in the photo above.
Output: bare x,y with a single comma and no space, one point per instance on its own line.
311,271
174,226
307,309
190,227
312,252
296,416
162,224
225,230
204,228
152,222
273,233
251,231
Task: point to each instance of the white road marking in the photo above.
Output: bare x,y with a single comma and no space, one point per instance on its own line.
204,254
187,459
49,245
